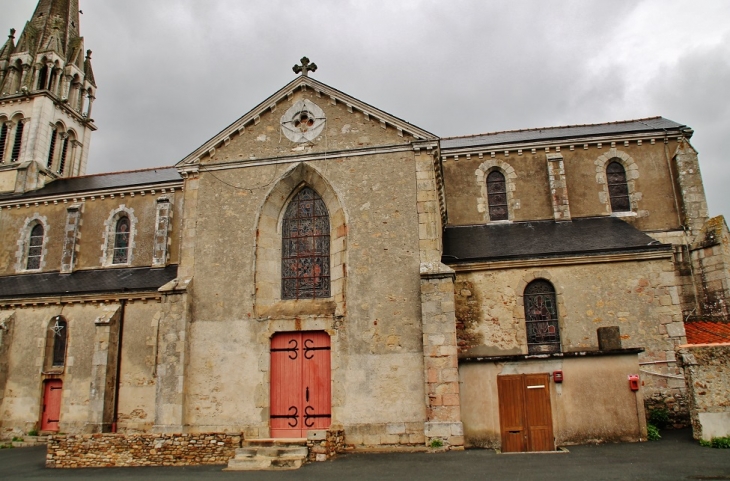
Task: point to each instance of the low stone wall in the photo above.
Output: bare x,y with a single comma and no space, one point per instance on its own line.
323,449
117,450
707,369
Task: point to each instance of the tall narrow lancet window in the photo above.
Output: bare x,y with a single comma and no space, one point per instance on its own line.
35,248
43,78
618,189
3,140
15,154
497,196
59,328
64,154
52,148
541,317
121,242
305,270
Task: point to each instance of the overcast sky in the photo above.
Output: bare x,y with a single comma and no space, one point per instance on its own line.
173,73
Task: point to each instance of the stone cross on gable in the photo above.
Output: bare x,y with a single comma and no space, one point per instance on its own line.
305,67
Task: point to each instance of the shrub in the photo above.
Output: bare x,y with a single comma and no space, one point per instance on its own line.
659,418
721,443
652,432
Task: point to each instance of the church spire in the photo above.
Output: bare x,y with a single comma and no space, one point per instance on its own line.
54,27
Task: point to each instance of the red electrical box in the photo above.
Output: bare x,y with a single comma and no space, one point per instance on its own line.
558,376
634,382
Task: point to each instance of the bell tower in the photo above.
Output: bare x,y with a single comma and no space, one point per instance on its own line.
47,90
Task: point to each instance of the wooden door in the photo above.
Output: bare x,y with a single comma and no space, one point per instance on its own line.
525,414
52,394
300,383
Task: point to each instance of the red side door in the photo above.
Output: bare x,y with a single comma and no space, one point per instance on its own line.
300,383
52,394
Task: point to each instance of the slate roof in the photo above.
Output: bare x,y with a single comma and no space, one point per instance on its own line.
111,180
526,240
707,332
653,124
86,282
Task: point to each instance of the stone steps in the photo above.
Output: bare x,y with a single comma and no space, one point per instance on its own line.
269,454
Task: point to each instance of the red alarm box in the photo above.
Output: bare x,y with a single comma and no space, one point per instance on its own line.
558,376
634,382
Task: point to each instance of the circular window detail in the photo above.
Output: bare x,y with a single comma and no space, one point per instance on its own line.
303,122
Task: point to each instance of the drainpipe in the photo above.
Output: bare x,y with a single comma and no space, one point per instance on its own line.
118,382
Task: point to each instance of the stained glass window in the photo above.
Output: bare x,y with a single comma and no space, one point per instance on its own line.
121,242
497,196
305,251
35,248
60,336
541,317
618,190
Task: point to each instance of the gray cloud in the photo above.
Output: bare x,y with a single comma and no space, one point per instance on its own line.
171,74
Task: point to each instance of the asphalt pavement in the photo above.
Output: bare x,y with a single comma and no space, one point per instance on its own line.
675,457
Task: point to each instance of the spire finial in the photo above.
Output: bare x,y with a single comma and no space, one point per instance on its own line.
88,55
305,67
12,33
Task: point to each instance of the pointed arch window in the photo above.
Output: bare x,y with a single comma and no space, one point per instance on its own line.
43,78
3,140
121,241
35,248
618,189
64,154
305,270
497,196
58,331
541,317
15,154
52,148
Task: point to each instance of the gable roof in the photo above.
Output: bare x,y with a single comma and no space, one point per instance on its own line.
113,180
529,240
707,332
649,125
325,90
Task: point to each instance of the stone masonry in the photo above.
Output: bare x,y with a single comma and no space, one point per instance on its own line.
119,450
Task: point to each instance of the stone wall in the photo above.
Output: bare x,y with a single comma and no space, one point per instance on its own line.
707,370
323,445
118,450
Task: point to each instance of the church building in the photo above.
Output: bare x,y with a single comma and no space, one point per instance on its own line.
323,266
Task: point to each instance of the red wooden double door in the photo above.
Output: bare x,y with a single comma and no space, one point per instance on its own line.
525,414
301,393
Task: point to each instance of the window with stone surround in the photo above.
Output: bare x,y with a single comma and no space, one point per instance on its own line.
3,138
541,317
121,241
56,344
35,248
18,143
618,189
497,196
305,252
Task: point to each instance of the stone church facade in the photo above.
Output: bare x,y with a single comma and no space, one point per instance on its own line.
321,265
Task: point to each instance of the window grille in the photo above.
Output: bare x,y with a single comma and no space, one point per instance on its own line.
306,248
15,154
3,140
618,189
497,196
35,248
541,317
60,338
121,242
52,149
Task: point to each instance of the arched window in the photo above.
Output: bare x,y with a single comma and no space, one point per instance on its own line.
541,317
58,331
15,154
3,139
121,241
497,196
43,78
305,252
64,153
618,189
35,248
52,148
